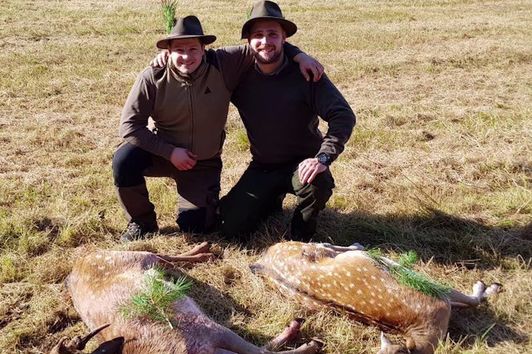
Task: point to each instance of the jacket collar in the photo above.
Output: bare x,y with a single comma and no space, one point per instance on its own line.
283,65
189,78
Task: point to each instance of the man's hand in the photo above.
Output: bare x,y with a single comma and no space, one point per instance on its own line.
161,59
183,159
309,169
308,65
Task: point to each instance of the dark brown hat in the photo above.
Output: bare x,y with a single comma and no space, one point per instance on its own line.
186,27
268,10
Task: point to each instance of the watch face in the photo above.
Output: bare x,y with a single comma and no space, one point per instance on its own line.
324,159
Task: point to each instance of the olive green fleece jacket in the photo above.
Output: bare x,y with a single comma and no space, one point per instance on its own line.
188,112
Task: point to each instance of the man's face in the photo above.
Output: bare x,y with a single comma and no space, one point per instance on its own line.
266,39
186,54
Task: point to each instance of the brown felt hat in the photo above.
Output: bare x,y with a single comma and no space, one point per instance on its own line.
268,10
186,27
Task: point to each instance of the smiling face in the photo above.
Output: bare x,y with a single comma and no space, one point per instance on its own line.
186,54
266,39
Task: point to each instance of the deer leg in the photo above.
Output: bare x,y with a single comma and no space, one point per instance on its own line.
289,334
203,247
233,343
341,249
480,292
198,254
354,247
312,347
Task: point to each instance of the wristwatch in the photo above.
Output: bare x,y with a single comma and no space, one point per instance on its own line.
324,159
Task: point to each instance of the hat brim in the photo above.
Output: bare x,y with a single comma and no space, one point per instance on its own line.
289,27
165,42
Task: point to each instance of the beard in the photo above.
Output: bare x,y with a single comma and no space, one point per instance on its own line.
274,58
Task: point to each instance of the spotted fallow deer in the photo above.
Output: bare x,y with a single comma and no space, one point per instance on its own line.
102,282
348,279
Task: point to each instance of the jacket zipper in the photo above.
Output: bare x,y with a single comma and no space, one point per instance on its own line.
189,88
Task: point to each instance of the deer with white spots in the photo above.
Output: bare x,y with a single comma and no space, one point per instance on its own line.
102,282
351,280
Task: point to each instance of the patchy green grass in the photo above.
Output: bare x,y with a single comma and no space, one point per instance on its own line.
439,162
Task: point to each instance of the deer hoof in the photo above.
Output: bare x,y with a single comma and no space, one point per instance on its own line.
357,246
316,343
493,289
479,288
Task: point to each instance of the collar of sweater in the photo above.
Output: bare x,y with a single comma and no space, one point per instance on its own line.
283,65
187,77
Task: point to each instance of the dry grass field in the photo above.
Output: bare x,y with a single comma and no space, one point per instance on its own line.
440,161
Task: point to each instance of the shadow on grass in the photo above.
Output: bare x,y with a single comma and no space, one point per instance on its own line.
434,235
470,325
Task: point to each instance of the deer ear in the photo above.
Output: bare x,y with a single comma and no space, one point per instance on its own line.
385,342
410,344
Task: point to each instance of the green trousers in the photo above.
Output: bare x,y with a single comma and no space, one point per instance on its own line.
260,192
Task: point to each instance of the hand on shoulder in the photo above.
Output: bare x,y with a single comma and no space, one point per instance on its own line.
160,59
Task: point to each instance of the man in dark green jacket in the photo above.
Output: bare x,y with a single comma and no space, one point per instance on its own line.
280,111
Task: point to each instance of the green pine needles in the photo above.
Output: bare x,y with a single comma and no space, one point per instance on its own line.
169,7
156,297
408,259
404,274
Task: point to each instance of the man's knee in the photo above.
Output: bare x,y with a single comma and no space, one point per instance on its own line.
128,163
320,189
236,221
194,220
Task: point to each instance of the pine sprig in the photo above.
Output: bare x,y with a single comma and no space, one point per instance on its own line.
169,8
403,273
374,253
420,282
155,299
408,259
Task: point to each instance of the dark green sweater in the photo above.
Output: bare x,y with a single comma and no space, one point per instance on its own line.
280,113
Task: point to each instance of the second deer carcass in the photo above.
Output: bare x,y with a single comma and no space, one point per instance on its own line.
102,282
364,285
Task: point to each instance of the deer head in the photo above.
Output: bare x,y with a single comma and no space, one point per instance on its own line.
388,348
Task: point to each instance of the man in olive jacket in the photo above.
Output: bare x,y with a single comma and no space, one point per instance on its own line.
280,111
